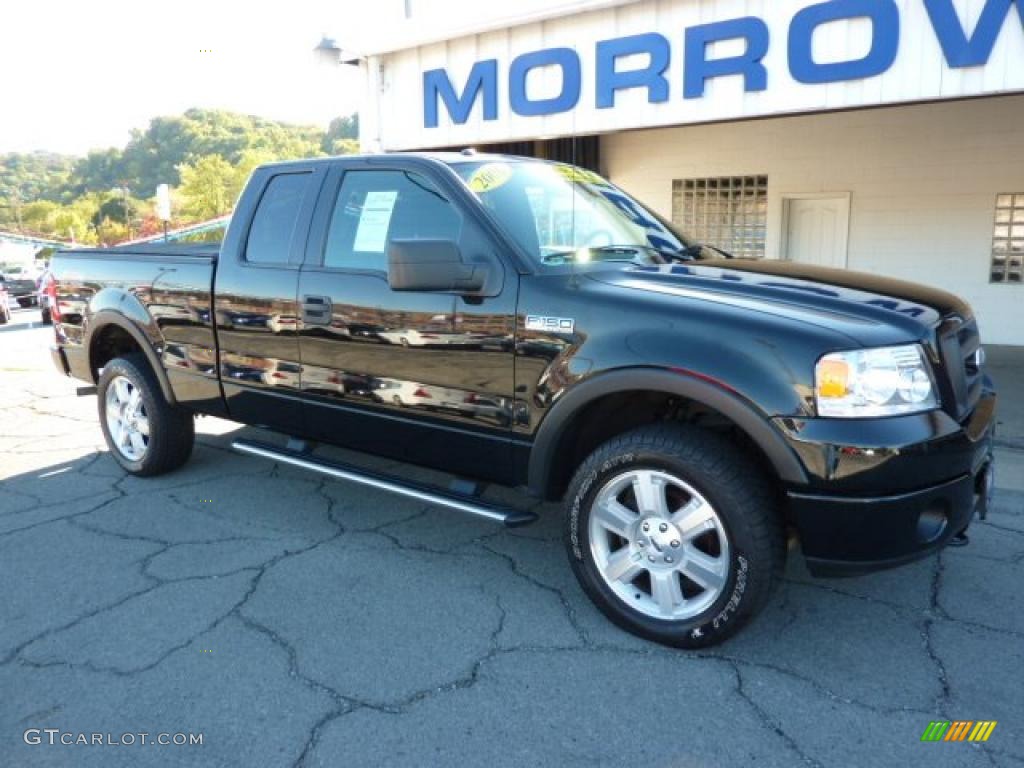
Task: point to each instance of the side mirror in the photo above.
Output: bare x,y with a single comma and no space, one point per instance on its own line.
432,265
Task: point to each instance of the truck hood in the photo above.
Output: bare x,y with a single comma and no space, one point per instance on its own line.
866,308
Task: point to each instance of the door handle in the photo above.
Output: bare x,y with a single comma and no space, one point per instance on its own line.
316,310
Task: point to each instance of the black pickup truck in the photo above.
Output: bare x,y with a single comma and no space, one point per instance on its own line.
528,323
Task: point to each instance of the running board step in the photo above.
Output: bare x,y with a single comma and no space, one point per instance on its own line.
473,506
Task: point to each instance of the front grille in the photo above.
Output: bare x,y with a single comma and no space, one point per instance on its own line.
961,365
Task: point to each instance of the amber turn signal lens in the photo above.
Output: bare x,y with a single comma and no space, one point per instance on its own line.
833,376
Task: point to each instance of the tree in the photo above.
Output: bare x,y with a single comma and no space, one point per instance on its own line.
344,147
148,226
206,154
72,225
116,208
208,187
342,136
86,207
343,128
111,232
39,216
33,176
156,155
249,162
101,169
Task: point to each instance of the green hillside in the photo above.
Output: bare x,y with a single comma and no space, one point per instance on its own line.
107,196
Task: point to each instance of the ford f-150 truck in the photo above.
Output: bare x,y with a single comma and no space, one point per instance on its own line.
528,323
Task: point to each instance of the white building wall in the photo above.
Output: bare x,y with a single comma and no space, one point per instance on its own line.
394,118
923,181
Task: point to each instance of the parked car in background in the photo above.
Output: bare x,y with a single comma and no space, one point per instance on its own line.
5,310
19,283
429,398
413,337
45,295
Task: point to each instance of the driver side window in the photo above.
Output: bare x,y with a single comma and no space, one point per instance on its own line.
375,207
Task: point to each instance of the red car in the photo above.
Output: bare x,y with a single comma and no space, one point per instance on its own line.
5,310
45,296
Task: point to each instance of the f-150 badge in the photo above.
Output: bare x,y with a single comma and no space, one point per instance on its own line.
550,324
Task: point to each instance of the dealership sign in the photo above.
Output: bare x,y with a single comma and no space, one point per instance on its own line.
960,49
619,65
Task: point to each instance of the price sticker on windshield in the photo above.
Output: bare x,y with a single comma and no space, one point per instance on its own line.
489,177
580,175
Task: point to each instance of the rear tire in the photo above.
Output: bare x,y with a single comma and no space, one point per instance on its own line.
47,317
675,534
146,435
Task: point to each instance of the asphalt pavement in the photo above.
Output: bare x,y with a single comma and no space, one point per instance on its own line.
285,620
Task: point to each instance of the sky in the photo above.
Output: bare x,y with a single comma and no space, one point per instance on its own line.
78,75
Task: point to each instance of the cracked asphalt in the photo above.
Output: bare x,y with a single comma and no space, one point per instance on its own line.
296,621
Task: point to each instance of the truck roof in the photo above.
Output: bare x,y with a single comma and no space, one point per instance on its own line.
448,157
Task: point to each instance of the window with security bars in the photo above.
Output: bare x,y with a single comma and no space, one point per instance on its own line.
729,212
1008,240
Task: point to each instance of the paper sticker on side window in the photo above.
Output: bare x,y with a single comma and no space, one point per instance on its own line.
374,221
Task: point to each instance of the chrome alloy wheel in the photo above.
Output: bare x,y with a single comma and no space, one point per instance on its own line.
659,544
127,421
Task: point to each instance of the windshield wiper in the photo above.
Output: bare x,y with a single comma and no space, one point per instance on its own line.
561,257
693,250
630,248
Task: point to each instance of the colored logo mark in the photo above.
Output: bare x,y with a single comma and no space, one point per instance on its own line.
959,730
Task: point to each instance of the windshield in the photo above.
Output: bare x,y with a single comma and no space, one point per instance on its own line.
561,213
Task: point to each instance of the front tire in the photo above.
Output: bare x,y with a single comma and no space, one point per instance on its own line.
146,435
675,534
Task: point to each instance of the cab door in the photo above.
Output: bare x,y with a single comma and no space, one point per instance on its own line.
255,296
425,377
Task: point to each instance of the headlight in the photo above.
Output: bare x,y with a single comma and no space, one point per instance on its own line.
874,382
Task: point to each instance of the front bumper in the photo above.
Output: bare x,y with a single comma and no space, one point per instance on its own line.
876,504
847,536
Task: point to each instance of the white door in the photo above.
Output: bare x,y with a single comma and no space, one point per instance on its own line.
817,229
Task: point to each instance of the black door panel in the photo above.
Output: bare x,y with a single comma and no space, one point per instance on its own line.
422,377
256,309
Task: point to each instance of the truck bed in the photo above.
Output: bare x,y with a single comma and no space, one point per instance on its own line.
165,293
149,250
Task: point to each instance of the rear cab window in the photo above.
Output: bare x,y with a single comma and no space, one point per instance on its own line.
277,215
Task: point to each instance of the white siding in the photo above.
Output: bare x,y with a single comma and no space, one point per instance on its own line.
395,117
923,181
383,27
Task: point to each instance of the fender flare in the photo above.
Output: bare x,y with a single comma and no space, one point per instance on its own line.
546,445
107,317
